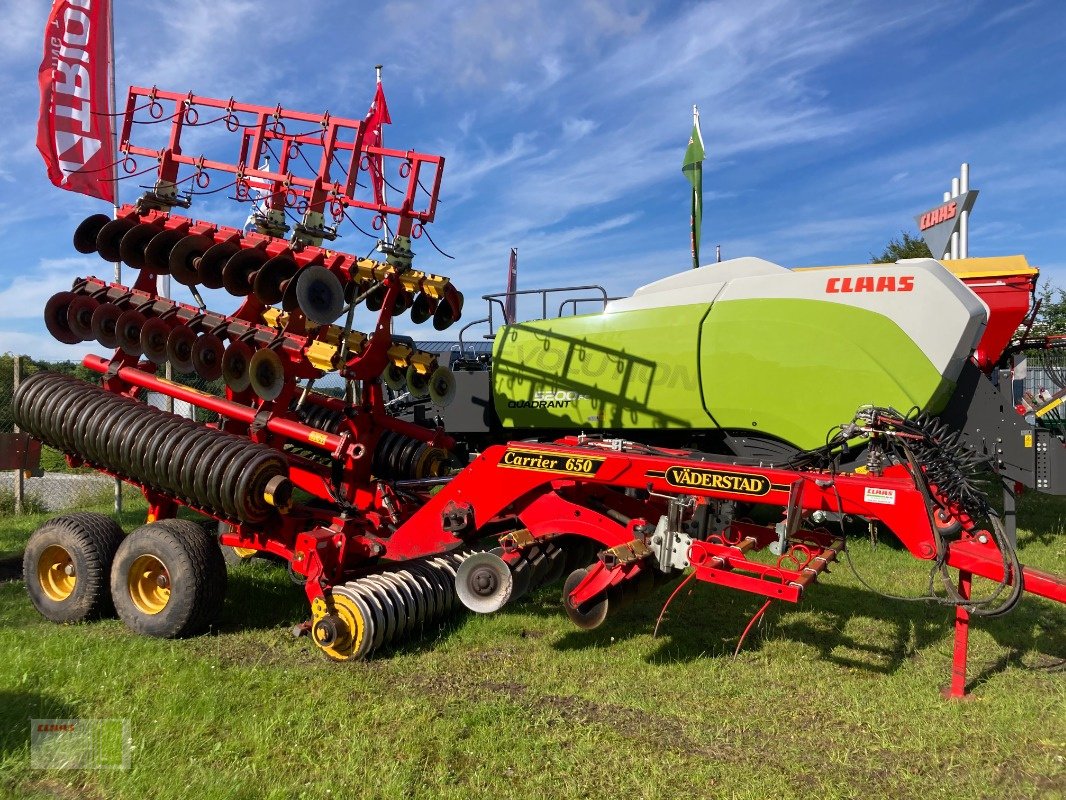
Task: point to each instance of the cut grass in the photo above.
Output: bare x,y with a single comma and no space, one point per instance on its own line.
835,697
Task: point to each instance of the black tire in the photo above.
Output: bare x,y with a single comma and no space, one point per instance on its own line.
187,565
86,544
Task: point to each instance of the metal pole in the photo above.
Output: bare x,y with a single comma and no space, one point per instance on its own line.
964,217
947,253
162,287
381,143
20,487
955,235
115,183
114,128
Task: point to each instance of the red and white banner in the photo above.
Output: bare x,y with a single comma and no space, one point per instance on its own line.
74,131
377,116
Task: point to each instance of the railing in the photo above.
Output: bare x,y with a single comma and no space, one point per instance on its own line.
500,299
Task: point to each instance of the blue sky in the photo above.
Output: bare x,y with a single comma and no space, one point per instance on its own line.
827,126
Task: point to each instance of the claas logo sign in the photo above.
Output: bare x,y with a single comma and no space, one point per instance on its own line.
937,224
869,283
937,215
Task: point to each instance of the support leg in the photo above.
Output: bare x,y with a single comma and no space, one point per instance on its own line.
957,690
1010,519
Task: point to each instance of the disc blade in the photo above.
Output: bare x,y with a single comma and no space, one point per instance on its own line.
185,258
157,251
320,295
484,583
442,386
80,316
109,238
103,324
131,246
594,616
267,286
87,231
179,348
235,366
238,271
209,270
55,317
266,374
207,354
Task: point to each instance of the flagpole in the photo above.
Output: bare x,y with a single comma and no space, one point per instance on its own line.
697,201
381,143
693,169
114,179
114,128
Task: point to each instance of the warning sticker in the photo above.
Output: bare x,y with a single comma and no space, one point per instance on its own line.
886,497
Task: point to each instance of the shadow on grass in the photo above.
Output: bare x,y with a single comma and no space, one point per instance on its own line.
260,595
1041,519
846,626
17,708
10,567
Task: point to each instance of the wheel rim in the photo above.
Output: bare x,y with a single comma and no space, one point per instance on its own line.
55,573
149,584
355,643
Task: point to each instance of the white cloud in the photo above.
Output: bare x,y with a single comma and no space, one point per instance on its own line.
22,22
576,128
45,347
25,296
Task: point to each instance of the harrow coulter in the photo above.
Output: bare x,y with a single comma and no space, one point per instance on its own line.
384,522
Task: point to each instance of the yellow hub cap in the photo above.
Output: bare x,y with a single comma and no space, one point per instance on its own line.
55,573
354,643
149,584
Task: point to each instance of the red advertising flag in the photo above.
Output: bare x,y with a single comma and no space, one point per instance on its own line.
74,127
377,116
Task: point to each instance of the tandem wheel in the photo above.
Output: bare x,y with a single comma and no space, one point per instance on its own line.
168,579
67,564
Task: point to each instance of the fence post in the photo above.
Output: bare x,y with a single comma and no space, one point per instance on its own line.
20,486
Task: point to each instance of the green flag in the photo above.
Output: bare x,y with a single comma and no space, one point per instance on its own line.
693,170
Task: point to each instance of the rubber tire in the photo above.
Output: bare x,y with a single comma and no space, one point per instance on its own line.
92,540
197,577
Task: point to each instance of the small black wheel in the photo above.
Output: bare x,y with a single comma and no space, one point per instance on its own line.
169,579
66,566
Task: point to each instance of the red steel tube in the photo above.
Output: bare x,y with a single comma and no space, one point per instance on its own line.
988,563
295,431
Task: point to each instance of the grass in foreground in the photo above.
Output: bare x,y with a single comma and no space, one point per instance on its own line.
836,697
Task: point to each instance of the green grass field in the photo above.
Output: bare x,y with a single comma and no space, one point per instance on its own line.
837,697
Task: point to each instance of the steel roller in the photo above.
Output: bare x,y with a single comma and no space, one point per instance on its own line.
211,469
399,602
400,457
